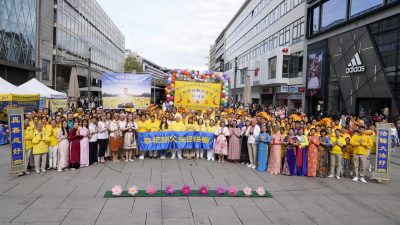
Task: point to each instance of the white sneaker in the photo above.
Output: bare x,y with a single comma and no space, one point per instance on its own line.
141,157
337,177
355,179
330,176
173,157
363,180
131,160
253,167
162,157
250,165
179,157
27,172
213,159
43,170
126,160
37,171
208,159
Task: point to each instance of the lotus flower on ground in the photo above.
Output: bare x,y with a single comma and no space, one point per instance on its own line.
220,191
185,190
260,191
169,190
116,190
232,190
247,191
203,190
133,190
151,190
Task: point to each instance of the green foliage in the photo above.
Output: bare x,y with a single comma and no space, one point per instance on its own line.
132,64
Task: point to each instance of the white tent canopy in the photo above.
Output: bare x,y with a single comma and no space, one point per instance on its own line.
42,89
8,88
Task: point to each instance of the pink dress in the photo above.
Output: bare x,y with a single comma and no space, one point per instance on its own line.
234,144
274,162
221,143
84,142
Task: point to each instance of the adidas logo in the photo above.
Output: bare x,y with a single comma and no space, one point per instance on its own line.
355,65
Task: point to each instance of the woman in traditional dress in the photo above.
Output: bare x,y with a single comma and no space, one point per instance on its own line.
93,145
108,122
234,142
302,154
130,137
221,143
323,154
115,137
84,142
312,153
292,143
63,145
75,151
274,162
244,153
263,141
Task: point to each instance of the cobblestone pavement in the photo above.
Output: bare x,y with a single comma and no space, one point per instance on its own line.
76,197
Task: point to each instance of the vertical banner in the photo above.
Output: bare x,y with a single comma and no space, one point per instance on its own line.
197,95
383,142
122,90
16,124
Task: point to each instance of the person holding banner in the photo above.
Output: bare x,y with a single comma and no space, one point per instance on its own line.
153,126
40,148
53,148
177,125
361,144
190,126
63,147
163,127
143,126
28,135
201,127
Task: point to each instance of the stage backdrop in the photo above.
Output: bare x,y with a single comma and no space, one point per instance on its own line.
121,90
197,95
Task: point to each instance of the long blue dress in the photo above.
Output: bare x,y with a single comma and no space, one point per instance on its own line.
263,152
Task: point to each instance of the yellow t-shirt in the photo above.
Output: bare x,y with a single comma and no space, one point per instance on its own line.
336,149
53,138
191,127
366,144
142,126
177,126
348,152
154,126
212,129
374,139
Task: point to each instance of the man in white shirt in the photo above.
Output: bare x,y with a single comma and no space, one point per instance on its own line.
252,133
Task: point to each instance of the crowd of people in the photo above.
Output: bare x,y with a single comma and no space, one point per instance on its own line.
268,140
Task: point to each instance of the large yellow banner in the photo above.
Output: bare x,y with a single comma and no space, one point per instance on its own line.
59,103
197,95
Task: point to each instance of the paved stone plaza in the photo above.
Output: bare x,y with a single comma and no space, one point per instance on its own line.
76,197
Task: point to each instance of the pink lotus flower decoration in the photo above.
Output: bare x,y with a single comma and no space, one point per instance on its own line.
133,190
203,190
151,190
260,191
116,190
185,190
232,190
169,190
220,191
247,191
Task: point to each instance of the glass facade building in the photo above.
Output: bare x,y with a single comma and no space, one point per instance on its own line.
81,25
353,50
17,39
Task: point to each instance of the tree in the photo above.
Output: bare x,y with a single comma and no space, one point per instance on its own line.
132,64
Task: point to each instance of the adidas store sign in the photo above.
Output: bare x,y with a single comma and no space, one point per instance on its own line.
355,66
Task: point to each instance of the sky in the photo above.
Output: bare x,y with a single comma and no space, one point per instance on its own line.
176,34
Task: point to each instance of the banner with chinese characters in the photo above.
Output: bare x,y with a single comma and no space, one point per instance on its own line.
123,90
383,144
58,103
175,140
16,125
197,95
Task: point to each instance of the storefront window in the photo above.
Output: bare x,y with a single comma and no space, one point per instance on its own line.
315,20
359,7
272,68
333,13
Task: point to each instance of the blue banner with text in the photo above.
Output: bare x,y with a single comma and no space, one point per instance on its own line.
175,140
